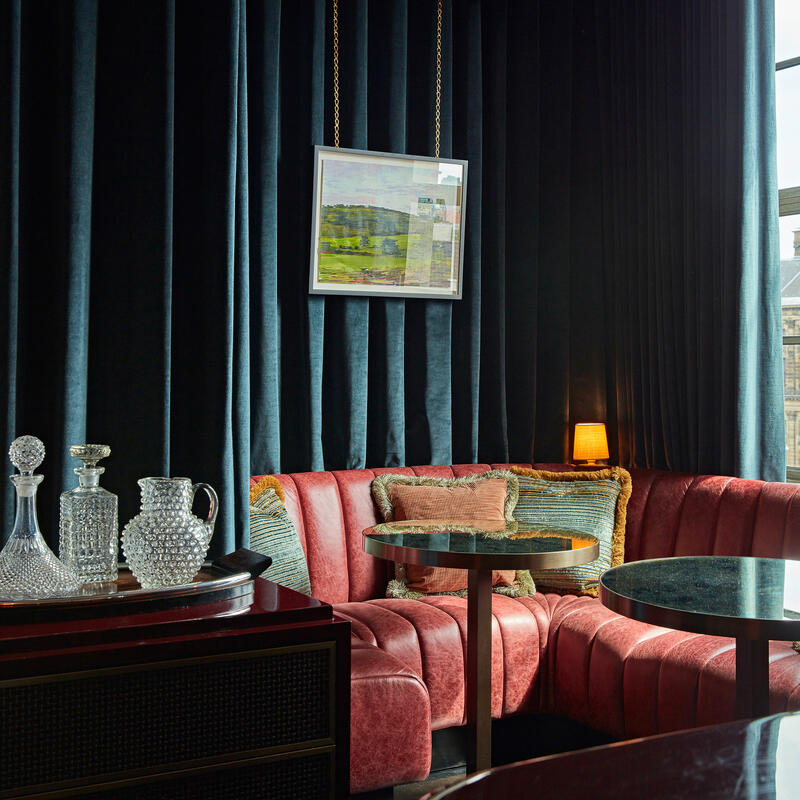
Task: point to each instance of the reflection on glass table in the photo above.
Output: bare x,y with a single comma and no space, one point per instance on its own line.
480,545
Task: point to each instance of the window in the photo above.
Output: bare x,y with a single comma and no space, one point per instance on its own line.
787,96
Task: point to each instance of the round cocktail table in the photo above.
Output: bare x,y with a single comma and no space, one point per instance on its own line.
479,548
751,599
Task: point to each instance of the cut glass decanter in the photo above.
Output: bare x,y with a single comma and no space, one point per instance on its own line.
88,521
28,567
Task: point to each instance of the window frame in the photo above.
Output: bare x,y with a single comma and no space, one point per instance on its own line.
789,205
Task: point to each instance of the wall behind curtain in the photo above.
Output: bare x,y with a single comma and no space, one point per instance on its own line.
156,162
157,166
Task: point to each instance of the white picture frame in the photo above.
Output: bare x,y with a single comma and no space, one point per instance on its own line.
387,225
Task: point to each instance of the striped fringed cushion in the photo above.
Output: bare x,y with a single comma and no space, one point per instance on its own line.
591,502
272,533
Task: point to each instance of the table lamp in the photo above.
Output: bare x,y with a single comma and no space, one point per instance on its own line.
591,444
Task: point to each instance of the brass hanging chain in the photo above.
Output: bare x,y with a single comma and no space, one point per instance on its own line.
336,73
438,73
438,114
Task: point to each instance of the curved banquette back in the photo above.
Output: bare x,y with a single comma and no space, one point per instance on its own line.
669,514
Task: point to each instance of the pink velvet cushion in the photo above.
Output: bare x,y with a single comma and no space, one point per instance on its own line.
478,500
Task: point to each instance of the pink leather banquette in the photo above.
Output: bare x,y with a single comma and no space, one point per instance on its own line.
566,655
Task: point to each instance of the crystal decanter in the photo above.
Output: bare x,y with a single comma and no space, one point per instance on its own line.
28,567
88,521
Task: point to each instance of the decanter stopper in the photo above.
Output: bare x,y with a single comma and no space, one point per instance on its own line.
89,531
90,454
28,567
26,453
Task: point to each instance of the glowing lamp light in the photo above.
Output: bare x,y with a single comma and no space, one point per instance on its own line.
591,443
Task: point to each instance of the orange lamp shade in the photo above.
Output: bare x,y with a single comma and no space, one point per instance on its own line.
591,443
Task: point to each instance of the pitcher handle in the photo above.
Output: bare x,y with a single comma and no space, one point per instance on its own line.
212,496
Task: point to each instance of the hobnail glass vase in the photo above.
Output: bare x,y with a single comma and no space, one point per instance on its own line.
165,544
28,567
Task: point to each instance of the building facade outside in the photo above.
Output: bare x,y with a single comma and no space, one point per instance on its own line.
790,307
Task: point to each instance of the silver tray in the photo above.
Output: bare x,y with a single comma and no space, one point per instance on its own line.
126,596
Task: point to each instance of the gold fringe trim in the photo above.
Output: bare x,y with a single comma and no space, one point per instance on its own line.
267,482
526,585
622,476
796,646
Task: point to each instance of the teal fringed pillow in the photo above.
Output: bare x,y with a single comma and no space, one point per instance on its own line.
590,502
272,533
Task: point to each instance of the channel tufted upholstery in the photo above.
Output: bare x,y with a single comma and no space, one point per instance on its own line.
385,745
567,655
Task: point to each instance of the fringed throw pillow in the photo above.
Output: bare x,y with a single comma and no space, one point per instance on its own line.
590,502
272,533
473,500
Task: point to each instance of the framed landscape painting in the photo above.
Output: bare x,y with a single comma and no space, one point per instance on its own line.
387,225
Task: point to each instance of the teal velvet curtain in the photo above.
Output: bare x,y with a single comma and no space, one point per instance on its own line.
690,235
156,161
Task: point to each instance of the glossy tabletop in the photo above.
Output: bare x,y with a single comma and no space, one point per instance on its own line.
484,546
268,605
753,598
735,761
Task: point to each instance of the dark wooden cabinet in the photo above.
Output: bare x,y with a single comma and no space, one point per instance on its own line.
213,701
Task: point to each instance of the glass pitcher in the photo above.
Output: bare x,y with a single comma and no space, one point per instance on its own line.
165,544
